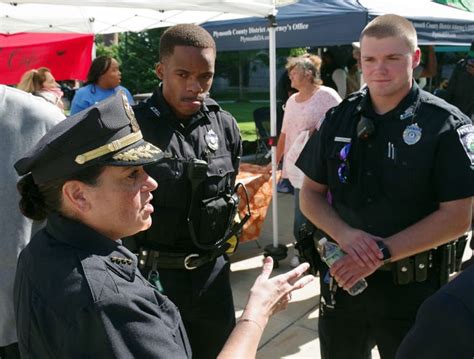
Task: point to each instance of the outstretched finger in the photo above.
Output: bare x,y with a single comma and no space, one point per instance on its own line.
302,282
267,268
294,274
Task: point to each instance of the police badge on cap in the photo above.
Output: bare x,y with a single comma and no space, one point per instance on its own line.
106,134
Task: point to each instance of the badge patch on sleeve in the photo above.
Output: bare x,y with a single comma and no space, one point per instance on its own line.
466,136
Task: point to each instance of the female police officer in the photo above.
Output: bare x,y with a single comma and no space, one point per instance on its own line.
78,292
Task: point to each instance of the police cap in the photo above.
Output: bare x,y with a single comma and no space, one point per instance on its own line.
106,133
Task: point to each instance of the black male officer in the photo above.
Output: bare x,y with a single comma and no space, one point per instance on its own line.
184,250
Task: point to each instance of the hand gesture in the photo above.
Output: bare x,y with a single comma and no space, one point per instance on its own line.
271,295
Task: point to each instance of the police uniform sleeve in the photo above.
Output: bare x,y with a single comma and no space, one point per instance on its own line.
312,159
121,327
444,328
454,164
235,143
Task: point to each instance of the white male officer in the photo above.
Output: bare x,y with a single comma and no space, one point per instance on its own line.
185,249
399,164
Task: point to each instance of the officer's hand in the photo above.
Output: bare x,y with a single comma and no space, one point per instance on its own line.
348,272
361,246
270,295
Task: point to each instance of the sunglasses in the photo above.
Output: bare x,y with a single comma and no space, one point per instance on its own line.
343,170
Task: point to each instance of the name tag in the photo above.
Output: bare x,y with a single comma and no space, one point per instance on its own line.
342,139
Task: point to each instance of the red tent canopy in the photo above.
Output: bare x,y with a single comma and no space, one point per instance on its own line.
67,55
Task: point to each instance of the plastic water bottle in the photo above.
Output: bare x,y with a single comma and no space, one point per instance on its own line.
331,253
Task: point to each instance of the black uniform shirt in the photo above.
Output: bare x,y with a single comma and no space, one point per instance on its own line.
444,326
181,142
392,184
79,294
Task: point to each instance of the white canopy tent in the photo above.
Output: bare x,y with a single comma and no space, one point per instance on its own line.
102,17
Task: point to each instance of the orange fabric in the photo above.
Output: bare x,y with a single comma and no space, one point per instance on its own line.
258,181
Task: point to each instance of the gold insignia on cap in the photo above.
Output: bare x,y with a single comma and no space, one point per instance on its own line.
134,154
114,146
130,113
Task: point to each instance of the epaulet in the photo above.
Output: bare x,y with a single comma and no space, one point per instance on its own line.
139,106
211,104
431,99
356,95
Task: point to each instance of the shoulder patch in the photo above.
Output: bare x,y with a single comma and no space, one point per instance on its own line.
466,136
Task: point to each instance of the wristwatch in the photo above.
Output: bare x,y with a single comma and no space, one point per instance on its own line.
387,256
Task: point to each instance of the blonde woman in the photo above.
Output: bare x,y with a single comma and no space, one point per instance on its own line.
304,112
41,82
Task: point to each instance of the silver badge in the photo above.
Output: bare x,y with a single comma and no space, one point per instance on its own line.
212,140
412,134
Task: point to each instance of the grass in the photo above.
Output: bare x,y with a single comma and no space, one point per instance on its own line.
243,113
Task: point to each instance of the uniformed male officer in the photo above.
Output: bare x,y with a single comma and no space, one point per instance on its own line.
399,165
184,248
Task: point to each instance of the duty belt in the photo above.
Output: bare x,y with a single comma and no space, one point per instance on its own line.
441,261
152,259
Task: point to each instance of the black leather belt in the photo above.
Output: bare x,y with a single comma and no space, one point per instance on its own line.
152,259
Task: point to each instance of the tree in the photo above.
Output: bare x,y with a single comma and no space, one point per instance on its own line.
137,54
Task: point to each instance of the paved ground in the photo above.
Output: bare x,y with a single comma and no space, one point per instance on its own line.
292,333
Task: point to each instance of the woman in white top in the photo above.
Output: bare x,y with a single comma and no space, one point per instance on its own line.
304,113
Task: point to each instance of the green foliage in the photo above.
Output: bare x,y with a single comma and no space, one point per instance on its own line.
102,50
297,51
139,54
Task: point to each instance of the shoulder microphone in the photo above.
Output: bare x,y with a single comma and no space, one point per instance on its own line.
365,128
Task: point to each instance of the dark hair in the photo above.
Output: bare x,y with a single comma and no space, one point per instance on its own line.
37,201
185,35
99,66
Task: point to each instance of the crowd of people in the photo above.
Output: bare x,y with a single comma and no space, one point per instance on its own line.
118,218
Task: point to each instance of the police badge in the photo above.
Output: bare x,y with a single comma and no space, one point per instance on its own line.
412,134
212,140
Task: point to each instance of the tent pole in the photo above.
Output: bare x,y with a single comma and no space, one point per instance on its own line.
276,251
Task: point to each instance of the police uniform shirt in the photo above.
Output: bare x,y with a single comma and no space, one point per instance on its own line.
79,294
211,135
420,154
444,325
